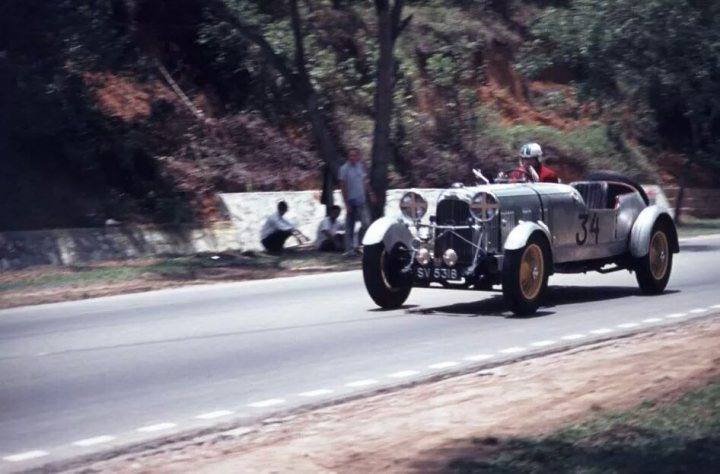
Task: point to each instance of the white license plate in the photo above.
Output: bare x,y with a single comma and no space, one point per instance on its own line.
436,273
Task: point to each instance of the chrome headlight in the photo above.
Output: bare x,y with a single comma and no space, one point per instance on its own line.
413,206
422,256
484,206
450,257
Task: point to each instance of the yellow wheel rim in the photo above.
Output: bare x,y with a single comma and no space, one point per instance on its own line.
532,272
659,255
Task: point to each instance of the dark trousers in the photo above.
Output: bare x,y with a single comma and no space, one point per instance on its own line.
356,212
275,242
336,244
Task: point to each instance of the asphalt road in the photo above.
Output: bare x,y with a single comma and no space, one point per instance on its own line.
86,376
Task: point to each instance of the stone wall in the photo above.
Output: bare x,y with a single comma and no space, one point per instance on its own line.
697,202
70,246
246,213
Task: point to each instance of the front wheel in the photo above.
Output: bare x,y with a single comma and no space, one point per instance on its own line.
387,287
653,270
525,276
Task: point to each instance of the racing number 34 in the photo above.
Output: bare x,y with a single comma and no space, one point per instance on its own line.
582,236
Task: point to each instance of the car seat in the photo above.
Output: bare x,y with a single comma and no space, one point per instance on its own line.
594,193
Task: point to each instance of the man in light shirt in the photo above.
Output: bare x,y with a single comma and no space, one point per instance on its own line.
355,188
329,234
276,230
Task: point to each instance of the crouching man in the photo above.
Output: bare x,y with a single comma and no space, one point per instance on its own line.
330,234
277,229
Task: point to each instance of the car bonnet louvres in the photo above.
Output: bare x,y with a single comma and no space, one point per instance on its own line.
455,212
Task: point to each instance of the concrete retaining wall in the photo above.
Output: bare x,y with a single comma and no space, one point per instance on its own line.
246,213
70,246
697,202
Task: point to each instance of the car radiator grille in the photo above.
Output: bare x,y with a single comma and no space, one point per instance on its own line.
454,212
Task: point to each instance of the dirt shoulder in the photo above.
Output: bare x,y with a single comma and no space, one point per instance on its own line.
426,427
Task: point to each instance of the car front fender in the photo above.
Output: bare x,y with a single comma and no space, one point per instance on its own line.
388,231
522,232
520,235
642,230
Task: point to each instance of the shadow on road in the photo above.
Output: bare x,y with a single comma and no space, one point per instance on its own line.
494,306
557,296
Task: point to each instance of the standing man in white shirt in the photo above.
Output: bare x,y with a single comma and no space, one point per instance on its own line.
356,190
276,230
329,235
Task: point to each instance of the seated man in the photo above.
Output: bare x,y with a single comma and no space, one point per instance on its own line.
330,236
276,230
531,156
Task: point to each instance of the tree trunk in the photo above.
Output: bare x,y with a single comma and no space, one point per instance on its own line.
303,90
685,175
389,28
325,139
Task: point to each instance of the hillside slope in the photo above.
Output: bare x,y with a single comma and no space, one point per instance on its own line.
142,110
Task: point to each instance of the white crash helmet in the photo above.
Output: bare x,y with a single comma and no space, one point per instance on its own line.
531,150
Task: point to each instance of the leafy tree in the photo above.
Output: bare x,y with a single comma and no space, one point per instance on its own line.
663,55
292,66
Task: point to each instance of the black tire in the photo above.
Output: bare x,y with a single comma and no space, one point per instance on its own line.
381,273
612,176
653,270
522,295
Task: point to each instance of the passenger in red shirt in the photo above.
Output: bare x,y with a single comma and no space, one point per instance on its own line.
531,161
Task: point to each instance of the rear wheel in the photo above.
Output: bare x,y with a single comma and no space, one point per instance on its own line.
525,276
387,287
653,270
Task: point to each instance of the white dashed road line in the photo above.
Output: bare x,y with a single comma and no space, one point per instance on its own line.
26,456
361,383
156,427
316,393
267,403
211,415
479,357
403,374
676,315
543,343
442,365
94,441
628,325
512,350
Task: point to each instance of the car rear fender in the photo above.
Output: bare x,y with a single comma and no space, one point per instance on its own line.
522,232
643,227
388,231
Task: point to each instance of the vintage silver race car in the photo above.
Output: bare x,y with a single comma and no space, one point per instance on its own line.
517,235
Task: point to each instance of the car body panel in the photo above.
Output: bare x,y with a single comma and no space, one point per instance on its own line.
587,224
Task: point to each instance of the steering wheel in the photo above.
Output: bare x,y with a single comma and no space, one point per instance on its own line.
514,175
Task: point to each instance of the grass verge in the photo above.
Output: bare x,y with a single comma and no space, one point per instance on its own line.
54,283
680,436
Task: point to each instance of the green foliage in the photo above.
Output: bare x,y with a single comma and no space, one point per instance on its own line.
680,437
660,54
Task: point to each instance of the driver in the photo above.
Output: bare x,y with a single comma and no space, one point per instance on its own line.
531,162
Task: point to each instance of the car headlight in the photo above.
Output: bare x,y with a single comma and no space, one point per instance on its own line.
484,206
413,206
